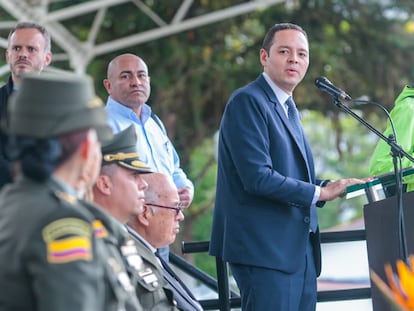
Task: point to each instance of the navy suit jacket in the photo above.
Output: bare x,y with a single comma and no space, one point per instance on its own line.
265,185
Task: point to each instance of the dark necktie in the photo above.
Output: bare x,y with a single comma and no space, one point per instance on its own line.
296,127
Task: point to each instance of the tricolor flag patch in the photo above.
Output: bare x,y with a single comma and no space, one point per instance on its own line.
99,229
69,249
68,239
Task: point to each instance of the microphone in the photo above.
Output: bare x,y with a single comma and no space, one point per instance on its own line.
325,85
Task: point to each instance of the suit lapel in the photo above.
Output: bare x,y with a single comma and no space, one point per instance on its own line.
179,287
280,112
181,293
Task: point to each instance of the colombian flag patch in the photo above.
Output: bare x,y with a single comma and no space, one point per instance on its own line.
69,249
68,239
99,229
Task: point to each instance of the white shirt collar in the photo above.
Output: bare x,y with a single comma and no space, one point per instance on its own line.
281,95
138,236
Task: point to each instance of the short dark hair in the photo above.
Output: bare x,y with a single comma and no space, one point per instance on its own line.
268,39
40,28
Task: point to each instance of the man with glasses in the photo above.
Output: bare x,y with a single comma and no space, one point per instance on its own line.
157,226
119,190
128,86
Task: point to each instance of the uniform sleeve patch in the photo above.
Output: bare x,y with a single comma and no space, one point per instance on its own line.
66,226
69,249
68,239
99,229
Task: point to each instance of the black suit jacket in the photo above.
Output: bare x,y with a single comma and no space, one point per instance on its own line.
5,166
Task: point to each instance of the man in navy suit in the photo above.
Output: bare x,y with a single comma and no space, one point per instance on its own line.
265,220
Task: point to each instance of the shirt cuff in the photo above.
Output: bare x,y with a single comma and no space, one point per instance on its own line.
316,194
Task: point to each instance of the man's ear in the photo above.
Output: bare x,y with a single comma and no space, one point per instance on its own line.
87,145
144,218
263,56
85,149
107,85
104,184
48,58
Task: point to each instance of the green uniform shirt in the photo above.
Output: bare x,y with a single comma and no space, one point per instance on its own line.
120,256
403,118
152,289
50,256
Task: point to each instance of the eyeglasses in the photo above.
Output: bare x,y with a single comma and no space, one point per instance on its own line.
177,209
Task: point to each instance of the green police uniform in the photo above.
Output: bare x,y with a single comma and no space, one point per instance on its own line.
120,256
51,254
48,253
151,288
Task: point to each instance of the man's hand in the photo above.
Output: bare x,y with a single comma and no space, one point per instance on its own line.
186,196
337,188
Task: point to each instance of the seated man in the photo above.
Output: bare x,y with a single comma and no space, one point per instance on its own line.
157,226
119,190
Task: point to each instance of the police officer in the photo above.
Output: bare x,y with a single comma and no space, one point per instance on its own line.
51,252
119,190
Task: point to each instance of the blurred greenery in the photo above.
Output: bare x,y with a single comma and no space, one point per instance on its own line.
363,46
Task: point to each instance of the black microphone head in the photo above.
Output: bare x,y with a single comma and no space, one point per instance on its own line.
322,80
325,85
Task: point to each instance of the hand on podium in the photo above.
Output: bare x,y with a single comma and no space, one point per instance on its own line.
337,188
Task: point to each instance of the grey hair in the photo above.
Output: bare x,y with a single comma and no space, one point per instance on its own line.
40,28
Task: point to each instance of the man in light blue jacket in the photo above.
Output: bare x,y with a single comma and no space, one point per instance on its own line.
128,86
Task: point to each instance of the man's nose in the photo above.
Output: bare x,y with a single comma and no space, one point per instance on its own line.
22,53
180,216
293,58
137,80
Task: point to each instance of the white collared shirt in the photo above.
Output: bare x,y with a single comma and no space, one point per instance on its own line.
281,95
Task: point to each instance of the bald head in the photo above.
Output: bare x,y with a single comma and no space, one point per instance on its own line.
128,81
159,223
123,58
161,189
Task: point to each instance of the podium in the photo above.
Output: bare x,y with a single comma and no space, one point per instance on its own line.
383,239
374,189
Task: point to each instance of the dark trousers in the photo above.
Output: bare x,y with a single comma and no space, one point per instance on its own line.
273,290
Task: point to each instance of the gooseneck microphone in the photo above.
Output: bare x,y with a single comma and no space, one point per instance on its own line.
325,85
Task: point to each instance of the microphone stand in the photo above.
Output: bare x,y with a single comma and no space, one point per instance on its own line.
397,152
